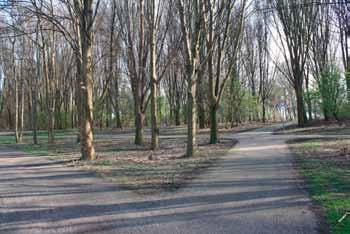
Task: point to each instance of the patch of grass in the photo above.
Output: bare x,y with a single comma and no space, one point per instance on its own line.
326,170
223,128
37,150
318,128
7,139
64,140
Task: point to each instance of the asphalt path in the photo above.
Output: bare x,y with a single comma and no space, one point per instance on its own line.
253,190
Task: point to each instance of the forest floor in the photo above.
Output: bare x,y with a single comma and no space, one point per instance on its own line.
134,167
254,188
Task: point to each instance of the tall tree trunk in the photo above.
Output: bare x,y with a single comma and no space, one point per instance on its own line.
191,43
201,114
21,114
200,89
154,115
308,97
138,82
200,101
112,58
17,132
51,126
34,115
177,112
212,83
34,90
177,108
116,104
154,78
264,110
139,124
10,120
191,116
300,106
213,105
212,97
78,98
345,36
49,96
108,111
347,77
86,37
213,124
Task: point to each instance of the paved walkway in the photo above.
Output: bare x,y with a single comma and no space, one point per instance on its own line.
254,190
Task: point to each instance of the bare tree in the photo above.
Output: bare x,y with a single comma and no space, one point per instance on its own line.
320,46
85,13
222,40
266,71
113,71
153,74
297,20
341,9
191,28
132,26
49,70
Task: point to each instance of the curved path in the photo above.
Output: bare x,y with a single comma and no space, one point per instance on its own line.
253,190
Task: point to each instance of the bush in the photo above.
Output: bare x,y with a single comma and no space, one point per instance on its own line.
331,92
42,120
344,112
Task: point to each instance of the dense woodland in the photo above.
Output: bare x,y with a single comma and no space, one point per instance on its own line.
90,64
